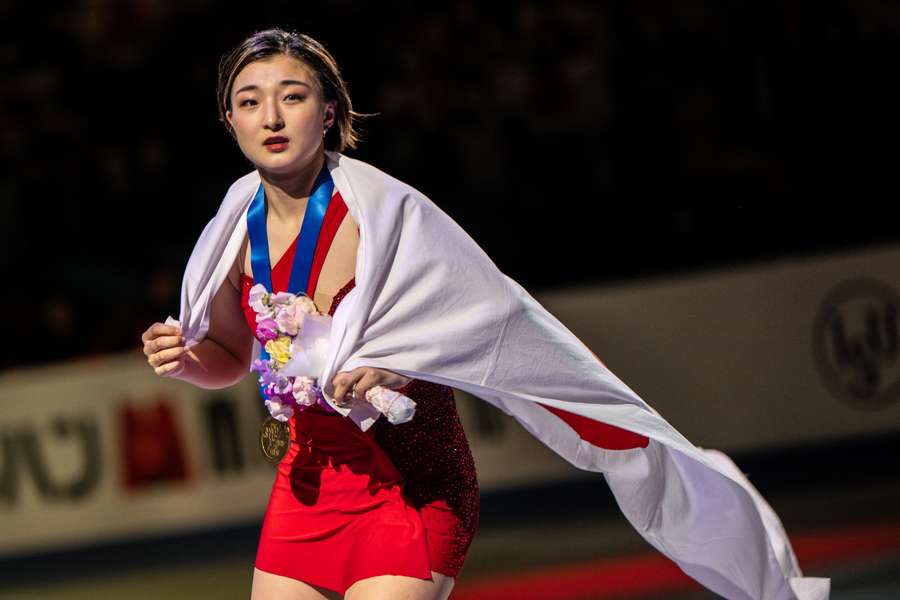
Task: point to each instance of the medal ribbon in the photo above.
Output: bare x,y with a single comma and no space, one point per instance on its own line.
306,240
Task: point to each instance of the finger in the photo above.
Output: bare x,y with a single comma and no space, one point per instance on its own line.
356,376
337,382
160,358
345,384
370,379
161,343
169,368
158,329
341,383
168,329
340,395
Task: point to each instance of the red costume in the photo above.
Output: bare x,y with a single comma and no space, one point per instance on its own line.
349,504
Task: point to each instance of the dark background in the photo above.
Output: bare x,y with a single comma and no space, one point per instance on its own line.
576,141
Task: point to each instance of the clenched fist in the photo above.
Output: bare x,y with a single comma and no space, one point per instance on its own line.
164,348
355,383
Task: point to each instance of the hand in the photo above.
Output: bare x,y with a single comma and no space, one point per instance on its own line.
355,383
164,348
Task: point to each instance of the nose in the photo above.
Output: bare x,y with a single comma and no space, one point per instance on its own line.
273,118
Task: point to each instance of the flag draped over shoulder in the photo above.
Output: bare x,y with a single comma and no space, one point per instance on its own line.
430,304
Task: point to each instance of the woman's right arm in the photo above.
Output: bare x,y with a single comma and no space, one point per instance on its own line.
221,359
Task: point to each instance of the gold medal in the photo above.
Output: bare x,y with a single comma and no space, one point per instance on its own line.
274,439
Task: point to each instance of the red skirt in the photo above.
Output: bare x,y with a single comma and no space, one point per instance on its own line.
337,512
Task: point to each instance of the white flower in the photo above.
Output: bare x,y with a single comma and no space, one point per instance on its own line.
258,299
307,305
279,411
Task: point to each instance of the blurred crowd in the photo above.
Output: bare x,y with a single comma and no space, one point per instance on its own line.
574,140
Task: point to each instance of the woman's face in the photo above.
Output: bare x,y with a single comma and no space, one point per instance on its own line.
278,114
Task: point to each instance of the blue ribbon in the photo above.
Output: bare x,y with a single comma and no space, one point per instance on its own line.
306,241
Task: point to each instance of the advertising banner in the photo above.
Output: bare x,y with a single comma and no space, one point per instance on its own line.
748,358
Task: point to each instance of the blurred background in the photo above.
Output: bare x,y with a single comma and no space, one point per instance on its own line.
704,192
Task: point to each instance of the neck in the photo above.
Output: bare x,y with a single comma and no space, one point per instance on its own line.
288,195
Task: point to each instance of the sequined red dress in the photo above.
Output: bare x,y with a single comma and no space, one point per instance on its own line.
347,504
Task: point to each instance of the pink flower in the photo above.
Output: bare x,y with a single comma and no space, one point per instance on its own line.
280,317
290,318
266,330
305,392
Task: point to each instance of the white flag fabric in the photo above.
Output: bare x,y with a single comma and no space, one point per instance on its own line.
430,304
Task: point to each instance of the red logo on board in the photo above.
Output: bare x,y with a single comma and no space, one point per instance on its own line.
150,444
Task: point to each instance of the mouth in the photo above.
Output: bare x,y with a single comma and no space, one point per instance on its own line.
276,143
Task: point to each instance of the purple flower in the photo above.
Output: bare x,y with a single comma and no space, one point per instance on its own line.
258,365
273,382
276,383
266,330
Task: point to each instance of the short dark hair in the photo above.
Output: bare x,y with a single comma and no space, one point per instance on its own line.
270,42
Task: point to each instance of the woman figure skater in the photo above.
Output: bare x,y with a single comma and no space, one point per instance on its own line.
380,513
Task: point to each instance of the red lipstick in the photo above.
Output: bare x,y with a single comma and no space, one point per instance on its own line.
276,143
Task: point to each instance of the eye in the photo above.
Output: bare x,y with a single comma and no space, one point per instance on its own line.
246,101
295,97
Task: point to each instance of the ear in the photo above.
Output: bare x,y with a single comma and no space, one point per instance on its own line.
330,108
228,118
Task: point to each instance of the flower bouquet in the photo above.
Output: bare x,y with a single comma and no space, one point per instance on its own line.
295,336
